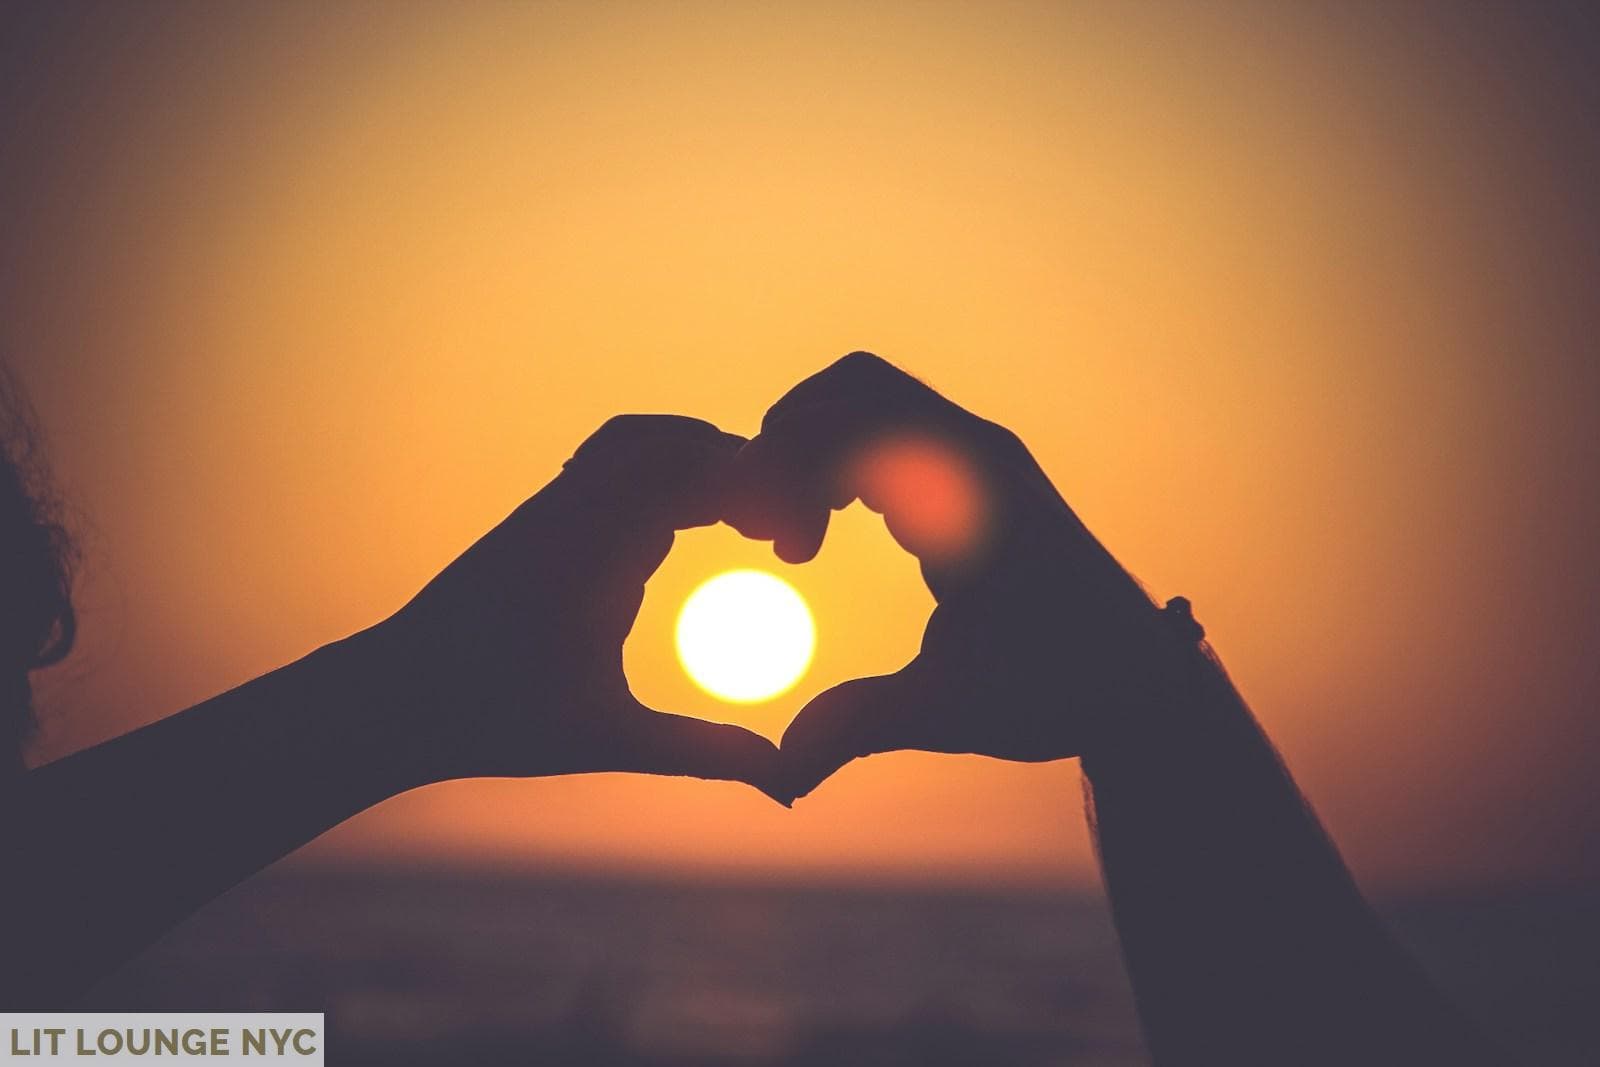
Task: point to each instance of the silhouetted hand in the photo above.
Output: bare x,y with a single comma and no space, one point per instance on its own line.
1040,645
511,659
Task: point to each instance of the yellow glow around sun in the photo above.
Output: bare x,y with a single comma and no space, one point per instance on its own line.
745,636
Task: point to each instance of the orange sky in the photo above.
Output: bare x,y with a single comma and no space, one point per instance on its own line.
1297,307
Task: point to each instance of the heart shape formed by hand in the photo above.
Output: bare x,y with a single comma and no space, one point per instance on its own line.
1036,638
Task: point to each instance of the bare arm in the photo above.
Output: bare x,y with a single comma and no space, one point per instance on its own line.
507,664
111,846
1245,937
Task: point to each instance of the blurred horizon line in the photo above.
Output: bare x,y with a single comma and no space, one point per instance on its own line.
551,869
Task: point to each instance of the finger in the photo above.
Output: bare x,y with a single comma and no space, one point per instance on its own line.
639,478
858,718
669,468
663,743
799,538
873,433
793,472
769,505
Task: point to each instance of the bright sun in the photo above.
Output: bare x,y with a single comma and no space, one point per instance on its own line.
745,636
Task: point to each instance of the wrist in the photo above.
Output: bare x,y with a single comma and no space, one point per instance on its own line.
1155,709
384,704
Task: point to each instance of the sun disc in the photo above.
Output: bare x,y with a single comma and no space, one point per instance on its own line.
745,636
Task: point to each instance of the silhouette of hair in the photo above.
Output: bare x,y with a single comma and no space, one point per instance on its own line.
37,622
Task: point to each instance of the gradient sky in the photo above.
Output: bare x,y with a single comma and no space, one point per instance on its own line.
1298,306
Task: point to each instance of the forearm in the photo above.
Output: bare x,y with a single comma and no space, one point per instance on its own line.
1244,935
113,845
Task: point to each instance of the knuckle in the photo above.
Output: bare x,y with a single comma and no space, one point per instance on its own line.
613,430
862,371
657,440
1002,440
633,424
861,362
619,424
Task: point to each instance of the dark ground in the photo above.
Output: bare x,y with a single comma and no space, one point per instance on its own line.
507,969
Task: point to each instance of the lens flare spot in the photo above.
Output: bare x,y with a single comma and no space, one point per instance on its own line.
928,492
745,636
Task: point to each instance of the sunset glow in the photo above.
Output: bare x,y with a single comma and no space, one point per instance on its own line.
309,297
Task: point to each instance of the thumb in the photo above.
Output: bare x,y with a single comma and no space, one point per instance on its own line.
663,743
856,718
